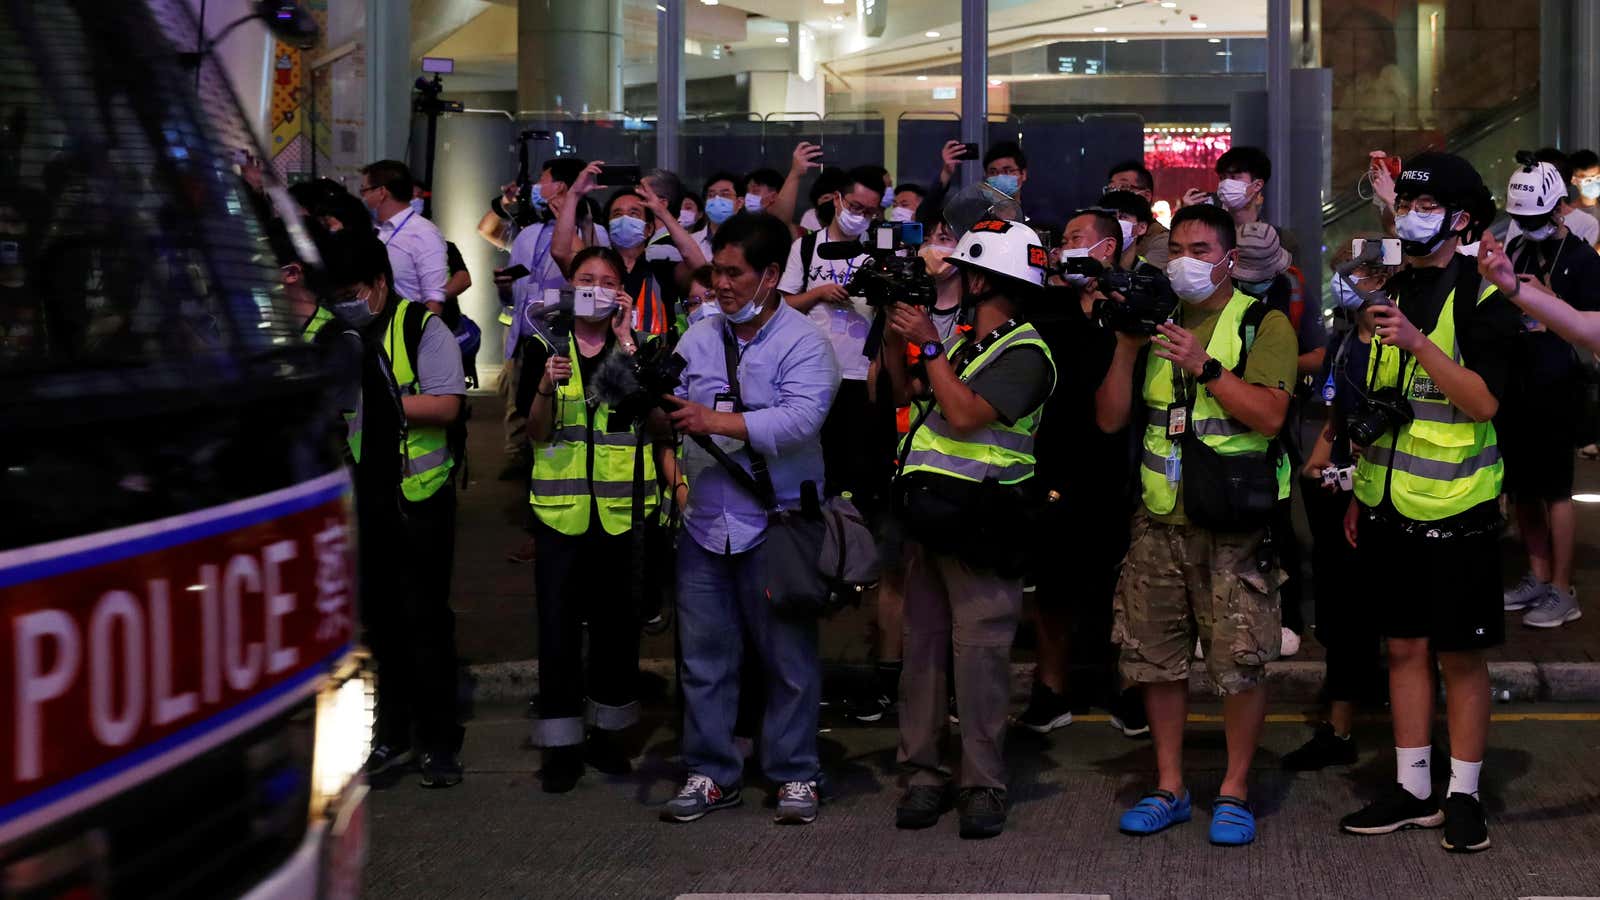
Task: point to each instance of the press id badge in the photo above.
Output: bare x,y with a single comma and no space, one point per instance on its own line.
725,402
1177,420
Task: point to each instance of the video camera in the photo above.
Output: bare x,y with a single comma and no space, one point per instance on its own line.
522,211
1147,302
887,277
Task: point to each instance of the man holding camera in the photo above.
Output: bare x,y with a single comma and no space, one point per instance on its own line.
969,451
759,380
1425,520
1210,392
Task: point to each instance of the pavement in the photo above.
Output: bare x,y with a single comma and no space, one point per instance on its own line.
497,835
495,631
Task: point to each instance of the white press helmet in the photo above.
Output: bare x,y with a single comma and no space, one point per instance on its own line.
1009,249
1535,190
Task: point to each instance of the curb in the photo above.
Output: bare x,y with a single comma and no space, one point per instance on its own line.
1288,681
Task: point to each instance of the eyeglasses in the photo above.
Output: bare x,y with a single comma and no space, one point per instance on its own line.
592,281
370,187
1427,207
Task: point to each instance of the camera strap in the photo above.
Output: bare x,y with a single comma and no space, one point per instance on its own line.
969,353
757,481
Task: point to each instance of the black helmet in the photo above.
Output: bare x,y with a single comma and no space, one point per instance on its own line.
1445,177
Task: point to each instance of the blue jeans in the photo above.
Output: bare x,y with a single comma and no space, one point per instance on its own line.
721,607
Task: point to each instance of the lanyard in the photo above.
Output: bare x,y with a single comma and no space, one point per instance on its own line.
397,228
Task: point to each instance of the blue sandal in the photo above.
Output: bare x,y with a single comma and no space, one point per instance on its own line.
1232,823
1156,811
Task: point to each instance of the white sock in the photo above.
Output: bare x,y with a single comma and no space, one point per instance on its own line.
1464,777
1413,771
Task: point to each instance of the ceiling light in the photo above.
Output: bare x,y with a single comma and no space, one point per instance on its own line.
930,34
1169,5
1100,29
709,2
994,82
1122,40
922,78
783,39
834,2
1586,498
1223,53
1213,40
1199,25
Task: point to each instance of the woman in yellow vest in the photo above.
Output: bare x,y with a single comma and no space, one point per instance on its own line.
1425,520
594,485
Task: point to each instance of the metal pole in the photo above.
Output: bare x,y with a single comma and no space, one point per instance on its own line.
1278,95
1585,80
974,81
669,82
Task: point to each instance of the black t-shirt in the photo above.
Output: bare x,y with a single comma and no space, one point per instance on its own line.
1485,332
534,355
1345,371
1074,456
1573,271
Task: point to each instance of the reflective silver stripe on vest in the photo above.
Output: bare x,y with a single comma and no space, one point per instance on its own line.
575,487
579,434
1432,468
966,468
992,437
1203,427
1441,413
433,459
1155,463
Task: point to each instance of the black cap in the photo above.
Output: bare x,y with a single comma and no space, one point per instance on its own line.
1445,177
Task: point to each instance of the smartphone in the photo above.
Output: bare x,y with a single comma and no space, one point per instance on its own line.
1389,255
1392,163
969,150
514,273
614,176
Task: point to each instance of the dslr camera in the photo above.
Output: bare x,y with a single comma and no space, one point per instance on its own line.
654,370
1383,411
887,277
1147,301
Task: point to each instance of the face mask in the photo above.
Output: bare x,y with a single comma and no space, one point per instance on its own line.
1191,278
1005,184
1345,294
10,253
937,259
355,312
1127,233
1420,232
537,198
605,303
416,205
1255,288
750,309
706,309
902,214
851,223
719,209
1232,193
626,232
1543,232
1078,278
752,203
887,201
688,217
1590,189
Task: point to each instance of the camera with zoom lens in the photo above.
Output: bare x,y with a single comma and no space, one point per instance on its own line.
887,276
655,370
1147,302
1383,411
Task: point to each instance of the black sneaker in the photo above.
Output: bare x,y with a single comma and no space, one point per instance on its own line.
1127,714
955,717
1395,810
440,770
385,764
983,812
868,706
1323,750
921,806
1047,711
561,769
604,751
1465,830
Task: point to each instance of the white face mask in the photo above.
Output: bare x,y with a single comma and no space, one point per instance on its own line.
1419,226
688,217
852,224
1232,193
605,304
707,308
902,214
752,203
1191,278
1345,294
751,307
1127,233
1543,232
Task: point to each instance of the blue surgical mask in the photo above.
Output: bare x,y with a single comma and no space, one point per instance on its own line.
1590,189
705,310
888,200
752,202
750,309
1420,227
719,209
416,205
1345,294
537,197
355,312
626,232
1005,184
1255,288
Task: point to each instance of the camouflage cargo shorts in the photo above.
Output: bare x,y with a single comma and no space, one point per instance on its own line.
1180,583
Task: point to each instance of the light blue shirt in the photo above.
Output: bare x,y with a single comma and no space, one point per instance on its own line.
787,379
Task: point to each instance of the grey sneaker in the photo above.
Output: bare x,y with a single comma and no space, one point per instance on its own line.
797,803
1554,609
700,795
1527,593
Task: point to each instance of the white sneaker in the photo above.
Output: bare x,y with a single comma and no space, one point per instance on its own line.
1199,649
1527,593
1291,644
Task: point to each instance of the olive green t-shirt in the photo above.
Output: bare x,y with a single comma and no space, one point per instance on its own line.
1272,362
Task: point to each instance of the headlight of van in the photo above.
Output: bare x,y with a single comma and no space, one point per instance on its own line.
344,732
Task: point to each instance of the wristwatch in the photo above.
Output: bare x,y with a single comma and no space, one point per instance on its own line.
1211,371
932,350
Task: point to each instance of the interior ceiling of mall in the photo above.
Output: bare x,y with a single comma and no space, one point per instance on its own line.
734,36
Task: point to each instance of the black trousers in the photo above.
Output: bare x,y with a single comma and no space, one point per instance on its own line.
578,578
410,625
1291,595
1346,625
